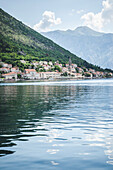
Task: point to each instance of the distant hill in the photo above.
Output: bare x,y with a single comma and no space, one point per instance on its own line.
92,46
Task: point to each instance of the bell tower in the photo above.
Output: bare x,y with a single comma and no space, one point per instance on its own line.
70,62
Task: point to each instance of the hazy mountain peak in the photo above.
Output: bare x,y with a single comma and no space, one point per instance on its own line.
84,30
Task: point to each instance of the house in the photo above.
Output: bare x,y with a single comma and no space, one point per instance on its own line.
35,64
80,69
85,69
78,75
45,63
64,69
4,65
47,75
11,75
47,67
98,73
111,74
60,65
91,70
95,75
88,74
74,65
73,70
5,69
56,62
67,65
31,74
50,63
40,63
1,62
15,69
102,73
9,65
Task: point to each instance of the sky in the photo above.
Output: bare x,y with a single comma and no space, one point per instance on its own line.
49,15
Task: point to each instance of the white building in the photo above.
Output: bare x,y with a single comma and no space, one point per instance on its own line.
47,75
78,75
47,67
50,63
4,69
74,65
9,66
15,69
4,65
11,75
35,64
45,62
31,74
40,63
73,70
64,69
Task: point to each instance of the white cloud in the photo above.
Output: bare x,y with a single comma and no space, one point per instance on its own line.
92,20
99,20
48,20
107,11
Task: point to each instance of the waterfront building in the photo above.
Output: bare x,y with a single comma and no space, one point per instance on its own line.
11,75
47,75
31,74
15,69
4,69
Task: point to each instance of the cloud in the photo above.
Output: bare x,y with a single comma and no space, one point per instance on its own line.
99,20
107,11
92,20
48,20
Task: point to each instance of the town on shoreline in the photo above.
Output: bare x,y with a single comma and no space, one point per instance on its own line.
38,70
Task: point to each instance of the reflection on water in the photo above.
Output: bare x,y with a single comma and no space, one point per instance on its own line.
56,126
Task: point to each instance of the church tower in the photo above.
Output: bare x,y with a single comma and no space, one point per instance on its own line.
70,63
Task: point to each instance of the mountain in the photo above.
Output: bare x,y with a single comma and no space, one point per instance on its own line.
92,46
20,42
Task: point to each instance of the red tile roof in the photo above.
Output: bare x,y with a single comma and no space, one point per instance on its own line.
8,74
30,70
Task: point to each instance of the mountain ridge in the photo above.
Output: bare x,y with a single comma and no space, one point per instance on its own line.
80,29
92,46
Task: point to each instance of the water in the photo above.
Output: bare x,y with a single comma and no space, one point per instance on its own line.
56,125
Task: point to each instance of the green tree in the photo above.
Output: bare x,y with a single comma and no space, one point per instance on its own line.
56,67
19,76
64,74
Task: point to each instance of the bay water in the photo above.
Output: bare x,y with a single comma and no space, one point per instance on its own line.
56,125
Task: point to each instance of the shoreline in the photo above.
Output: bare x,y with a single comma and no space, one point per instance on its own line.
49,80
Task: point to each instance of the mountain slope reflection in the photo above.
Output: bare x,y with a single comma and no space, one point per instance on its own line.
24,108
